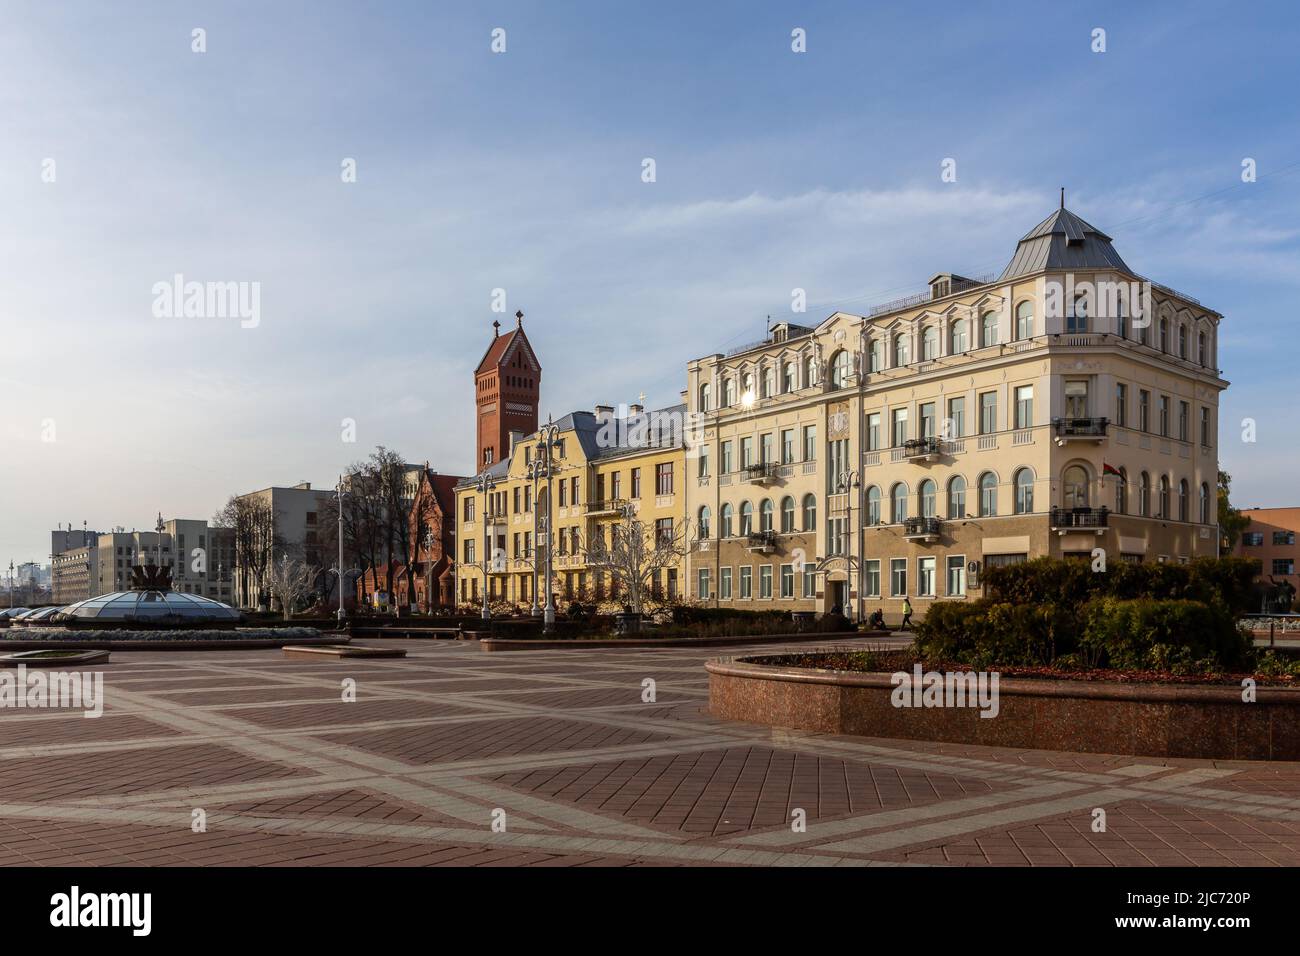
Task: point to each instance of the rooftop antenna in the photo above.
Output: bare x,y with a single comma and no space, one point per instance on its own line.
1062,197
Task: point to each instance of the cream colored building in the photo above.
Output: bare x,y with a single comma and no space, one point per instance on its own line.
1066,407
604,462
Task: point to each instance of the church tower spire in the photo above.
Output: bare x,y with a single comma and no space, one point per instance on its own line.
507,387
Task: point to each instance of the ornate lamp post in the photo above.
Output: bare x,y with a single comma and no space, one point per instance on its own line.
428,584
536,470
338,494
485,484
850,481
545,453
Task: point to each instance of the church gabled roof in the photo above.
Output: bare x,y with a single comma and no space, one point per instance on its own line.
501,343
1063,242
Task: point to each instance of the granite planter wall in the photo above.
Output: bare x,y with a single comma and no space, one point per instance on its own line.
1158,720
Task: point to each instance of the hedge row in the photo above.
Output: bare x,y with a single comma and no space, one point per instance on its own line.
1172,618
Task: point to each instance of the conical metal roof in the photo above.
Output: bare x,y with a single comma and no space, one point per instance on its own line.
1065,243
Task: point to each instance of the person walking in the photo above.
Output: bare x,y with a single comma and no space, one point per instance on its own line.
907,615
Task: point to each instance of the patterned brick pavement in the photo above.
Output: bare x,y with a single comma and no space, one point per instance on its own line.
586,772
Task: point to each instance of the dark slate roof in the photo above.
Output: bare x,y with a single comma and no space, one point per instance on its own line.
632,434
1063,242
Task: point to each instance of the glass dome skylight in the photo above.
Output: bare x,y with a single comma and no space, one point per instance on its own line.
150,607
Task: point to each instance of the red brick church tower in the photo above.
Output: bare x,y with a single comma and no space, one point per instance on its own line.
507,385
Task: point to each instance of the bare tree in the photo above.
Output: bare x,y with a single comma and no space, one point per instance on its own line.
289,580
635,552
252,522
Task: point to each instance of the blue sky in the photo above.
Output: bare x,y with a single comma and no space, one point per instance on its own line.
522,171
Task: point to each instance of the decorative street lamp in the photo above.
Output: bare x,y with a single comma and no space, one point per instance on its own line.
428,560
338,493
536,470
850,481
485,484
545,453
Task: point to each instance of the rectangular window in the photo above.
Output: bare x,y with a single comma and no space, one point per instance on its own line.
1121,404
702,584
809,583
928,423
1184,416
704,461
838,460
767,450
728,463
810,443
1144,410
956,575
957,418
925,577
724,584
872,576
1076,398
765,582
1164,416
899,431
988,413
897,577
1284,537
1252,539
1205,427
1024,406
664,478
787,446
873,431
787,580
636,484
1004,560
1284,566
616,485
746,583
746,451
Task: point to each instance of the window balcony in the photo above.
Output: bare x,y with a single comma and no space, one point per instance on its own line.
1080,519
921,449
609,506
761,542
760,474
922,529
1080,429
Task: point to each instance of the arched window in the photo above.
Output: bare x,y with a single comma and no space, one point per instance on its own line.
704,521
810,512
1183,500
726,530
729,391
959,340
747,387
957,497
1074,489
1163,500
1182,340
1121,317
706,396
1025,320
840,366
1144,495
1200,348
791,377
1164,335
873,505
930,343
988,329
810,371
746,518
1121,492
1205,503
988,494
1024,491
767,375
898,503
927,495
877,354
787,515
902,349
765,515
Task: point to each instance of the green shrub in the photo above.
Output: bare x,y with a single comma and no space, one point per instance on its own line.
986,633
1175,635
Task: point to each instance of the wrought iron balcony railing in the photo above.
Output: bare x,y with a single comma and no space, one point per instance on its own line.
764,541
1086,518
926,528
1092,429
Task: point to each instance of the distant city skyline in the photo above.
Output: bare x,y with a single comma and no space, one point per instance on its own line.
129,159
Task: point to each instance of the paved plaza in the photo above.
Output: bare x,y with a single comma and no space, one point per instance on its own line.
561,747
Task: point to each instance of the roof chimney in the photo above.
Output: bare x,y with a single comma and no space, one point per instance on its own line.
604,413
635,410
